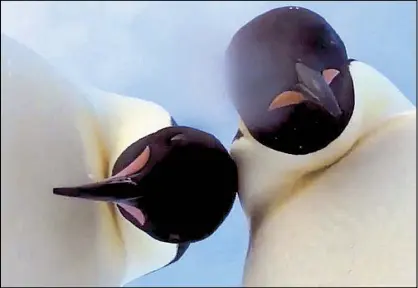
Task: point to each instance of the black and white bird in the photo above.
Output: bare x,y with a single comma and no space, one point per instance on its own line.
156,187
326,157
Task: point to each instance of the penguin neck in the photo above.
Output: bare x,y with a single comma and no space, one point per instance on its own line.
269,178
123,120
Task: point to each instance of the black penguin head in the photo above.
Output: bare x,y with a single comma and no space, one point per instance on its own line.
289,79
177,184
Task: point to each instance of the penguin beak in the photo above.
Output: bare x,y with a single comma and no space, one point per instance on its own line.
119,188
103,190
312,86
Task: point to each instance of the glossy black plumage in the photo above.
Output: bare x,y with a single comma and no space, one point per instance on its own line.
262,61
185,190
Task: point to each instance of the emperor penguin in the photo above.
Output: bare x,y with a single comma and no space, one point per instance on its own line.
155,187
326,157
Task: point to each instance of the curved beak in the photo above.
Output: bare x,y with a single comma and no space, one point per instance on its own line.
113,189
314,88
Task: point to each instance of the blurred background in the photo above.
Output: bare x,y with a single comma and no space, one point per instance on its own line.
172,52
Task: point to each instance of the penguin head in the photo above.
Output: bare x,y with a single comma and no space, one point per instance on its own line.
303,103
177,185
289,78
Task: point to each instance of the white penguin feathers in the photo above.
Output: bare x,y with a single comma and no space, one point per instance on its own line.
53,134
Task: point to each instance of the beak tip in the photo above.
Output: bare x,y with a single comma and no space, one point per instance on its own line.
315,87
64,192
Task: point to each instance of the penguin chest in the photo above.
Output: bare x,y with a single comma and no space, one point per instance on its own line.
352,225
46,240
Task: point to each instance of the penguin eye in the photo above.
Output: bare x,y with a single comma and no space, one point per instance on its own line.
321,44
320,39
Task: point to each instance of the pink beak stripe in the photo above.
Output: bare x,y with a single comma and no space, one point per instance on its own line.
132,168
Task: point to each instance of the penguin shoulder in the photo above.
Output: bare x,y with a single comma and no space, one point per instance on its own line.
376,97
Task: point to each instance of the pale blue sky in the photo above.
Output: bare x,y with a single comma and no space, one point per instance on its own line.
171,53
